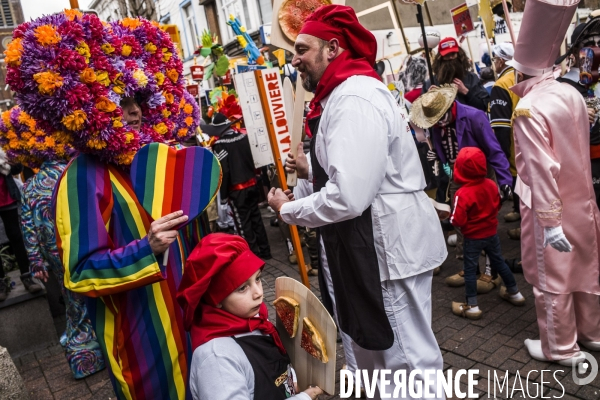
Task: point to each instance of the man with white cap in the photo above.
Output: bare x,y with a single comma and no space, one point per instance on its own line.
502,105
559,225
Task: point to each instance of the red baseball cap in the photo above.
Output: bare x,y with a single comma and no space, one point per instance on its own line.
448,45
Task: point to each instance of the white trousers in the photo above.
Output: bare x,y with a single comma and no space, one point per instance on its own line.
224,220
408,306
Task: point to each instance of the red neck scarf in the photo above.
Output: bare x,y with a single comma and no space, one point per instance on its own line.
340,69
216,323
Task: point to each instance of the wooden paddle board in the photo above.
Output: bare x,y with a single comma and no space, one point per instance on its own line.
297,126
290,106
288,98
310,371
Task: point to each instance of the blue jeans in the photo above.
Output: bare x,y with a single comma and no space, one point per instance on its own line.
472,250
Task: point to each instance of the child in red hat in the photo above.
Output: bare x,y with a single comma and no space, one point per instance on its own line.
237,351
476,206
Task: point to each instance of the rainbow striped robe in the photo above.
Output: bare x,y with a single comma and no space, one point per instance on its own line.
101,235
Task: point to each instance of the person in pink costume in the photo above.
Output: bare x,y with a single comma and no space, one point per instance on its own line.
559,229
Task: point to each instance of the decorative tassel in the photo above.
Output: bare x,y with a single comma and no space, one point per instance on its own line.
521,112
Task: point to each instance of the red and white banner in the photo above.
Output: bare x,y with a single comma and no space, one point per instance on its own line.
197,72
273,89
227,78
461,17
193,90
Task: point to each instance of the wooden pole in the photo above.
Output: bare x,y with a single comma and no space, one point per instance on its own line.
395,7
428,14
471,53
489,46
509,23
281,174
74,4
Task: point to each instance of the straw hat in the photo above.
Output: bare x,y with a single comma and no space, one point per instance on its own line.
430,107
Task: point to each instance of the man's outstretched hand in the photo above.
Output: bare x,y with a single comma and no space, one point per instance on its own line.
278,198
161,233
297,164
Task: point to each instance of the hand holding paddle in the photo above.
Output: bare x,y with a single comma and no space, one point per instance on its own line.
297,164
161,233
313,392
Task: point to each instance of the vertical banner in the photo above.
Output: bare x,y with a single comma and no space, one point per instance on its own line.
270,90
254,118
485,13
273,89
461,18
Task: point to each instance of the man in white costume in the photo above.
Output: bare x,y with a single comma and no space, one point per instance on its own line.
381,234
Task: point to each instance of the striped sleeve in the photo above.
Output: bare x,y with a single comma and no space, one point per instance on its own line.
93,265
459,211
501,108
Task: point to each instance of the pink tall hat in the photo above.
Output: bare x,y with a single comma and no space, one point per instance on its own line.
543,29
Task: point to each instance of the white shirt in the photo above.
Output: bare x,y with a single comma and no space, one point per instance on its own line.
221,370
572,74
365,145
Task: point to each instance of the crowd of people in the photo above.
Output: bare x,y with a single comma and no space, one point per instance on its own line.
174,308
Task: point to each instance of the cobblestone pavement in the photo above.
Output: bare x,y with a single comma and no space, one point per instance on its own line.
493,344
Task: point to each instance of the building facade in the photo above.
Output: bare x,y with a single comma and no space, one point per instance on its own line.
11,15
113,10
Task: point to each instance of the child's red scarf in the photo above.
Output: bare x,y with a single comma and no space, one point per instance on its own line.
215,323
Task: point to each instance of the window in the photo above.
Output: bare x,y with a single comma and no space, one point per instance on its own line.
239,9
251,14
191,31
6,19
266,11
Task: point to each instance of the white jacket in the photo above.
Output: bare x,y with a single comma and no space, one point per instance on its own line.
365,145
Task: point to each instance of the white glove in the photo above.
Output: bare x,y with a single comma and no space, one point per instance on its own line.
557,239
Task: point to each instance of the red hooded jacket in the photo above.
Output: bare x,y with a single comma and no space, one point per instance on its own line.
477,202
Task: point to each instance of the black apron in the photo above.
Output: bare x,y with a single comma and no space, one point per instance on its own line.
272,370
352,259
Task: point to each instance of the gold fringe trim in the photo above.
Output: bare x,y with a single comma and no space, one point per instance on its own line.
520,112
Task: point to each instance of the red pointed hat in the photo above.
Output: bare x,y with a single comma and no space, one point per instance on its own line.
219,264
341,23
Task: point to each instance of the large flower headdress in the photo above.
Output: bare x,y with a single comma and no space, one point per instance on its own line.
26,142
71,71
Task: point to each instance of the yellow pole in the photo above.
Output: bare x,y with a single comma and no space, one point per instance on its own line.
74,3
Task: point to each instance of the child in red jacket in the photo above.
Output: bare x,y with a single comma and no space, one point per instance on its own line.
476,206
